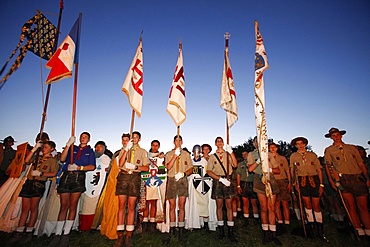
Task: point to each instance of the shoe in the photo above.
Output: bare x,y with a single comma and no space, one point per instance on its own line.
181,235
274,239
320,232
120,241
266,237
26,238
17,236
231,234
221,232
171,234
246,222
55,241
128,242
152,227
64,241
206,227
145,227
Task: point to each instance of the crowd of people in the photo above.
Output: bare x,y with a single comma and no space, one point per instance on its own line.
134,190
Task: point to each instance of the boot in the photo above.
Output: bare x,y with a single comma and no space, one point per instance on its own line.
64,241
206,227
181,234
231,234
320,232
145,227
171,234
120,241
311,231
128,240
17,236
266,237
221,232
246,222
55,241
26,238
152,227
275,239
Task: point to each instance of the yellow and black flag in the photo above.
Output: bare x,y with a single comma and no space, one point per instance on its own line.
40,34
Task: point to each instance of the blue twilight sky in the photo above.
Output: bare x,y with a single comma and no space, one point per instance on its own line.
319,75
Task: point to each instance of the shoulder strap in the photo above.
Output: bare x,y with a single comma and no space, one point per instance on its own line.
222,165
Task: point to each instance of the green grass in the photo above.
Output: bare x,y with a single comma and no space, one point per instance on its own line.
247,236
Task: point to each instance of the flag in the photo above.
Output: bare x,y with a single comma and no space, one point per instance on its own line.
228,95
176,106
40,40
61,63
133,84
260,66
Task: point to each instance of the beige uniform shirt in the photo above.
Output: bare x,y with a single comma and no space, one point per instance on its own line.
184,162
215,166
47,165
345,158
283,166
137,156
253,157
307,164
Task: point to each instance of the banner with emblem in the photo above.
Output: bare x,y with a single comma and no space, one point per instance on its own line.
16,166
261,64
133,84
40,41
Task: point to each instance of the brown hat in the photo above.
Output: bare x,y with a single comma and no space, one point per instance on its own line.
334,130
8,139
300,138
361,148
368,142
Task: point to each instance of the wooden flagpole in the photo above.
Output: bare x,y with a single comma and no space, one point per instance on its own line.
61,7
74,102
132,123
227,35
178,159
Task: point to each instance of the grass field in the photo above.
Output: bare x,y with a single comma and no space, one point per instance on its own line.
247,236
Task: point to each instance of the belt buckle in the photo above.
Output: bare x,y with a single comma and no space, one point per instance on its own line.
130,172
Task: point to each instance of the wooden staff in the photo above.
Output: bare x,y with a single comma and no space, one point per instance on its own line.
296,182
227,35
177,167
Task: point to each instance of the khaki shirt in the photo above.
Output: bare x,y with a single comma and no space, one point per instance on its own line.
184,162
242,170
215,166
137,156
254,156
283,166
45,165
307,164
345,160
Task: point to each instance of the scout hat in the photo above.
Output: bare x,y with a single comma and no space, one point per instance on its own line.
334,130
8,139
300,138
273,143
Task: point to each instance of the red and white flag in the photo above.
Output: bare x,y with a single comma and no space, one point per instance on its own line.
228,95
176,103
133,84
61,63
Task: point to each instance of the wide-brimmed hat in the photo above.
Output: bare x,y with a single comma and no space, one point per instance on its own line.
368,142
334,130
8,139
300,138
361,148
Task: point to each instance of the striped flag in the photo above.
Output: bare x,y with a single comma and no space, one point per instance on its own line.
261,64
228,95
176,103
133,84
61,63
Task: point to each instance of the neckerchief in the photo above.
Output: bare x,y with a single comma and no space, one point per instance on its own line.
132,154
197,160
80,151
342,151
304,157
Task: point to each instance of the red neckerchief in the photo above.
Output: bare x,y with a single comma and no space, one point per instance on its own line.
80,151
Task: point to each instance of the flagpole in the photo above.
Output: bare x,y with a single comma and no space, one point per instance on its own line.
74,102
227,36
132,123
61,7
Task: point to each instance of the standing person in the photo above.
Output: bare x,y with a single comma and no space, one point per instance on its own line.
72,185
95,181
245,188
309,170
111,211
153,184
133,161
200,208
222,189
267,204
179,165
206,150
354,178
8,154
34,187
283,179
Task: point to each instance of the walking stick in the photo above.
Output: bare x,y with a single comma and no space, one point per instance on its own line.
336,179
296,183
